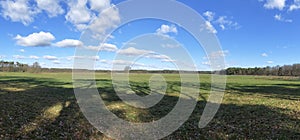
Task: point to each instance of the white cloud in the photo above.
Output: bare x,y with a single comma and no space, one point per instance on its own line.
129,44
164,29
209,15
168,60
24,57
49,57
79,14
278,17
18,57
121,62
104,47
264,55
158,56
222,27
69,43
224,23
275,4
131,51
96,58
208,27
99,5
103,14
270,62
18,11
52,7
34,57
104,61
124,62
56,62
170,45
22,50
35,39
108,19
218,54
295,6
206,63
2,56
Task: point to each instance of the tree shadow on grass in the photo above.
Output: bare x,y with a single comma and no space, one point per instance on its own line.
233,121
41,108
37,108
281,91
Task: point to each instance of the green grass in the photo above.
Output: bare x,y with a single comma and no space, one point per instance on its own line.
43,106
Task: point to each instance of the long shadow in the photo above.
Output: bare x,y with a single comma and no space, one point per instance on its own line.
281,91
36,108
232,121
41,108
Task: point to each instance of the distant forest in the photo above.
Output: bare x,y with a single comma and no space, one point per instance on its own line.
286,70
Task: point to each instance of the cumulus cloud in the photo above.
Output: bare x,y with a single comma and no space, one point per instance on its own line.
2,56
295,6
224,23
52,7
104,47
131,51
264,55
168,60
96,58
164,29
24,57
99,5
56,62
275,4
161,57
35,39
79,14
209,15
18,57
124,62
69,43
107,20
270,62
278,17
218,54
104,15
49,57
18,11
208,27
170,45
34,57
22,50
206,63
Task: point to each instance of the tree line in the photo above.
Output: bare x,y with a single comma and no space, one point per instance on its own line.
286,70
10,66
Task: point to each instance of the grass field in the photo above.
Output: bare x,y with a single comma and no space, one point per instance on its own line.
43,106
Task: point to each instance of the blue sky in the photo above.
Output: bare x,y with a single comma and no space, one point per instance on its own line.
251,33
